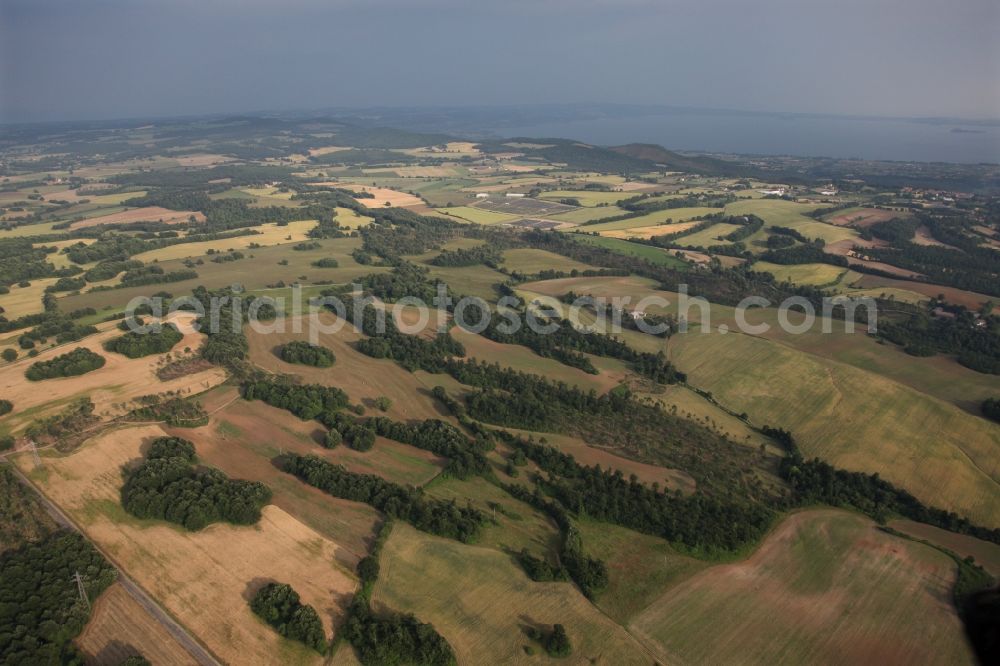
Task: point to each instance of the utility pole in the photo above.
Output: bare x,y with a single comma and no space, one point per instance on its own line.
34,453
79,586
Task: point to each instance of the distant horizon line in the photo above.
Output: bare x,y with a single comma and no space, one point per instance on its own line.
631,109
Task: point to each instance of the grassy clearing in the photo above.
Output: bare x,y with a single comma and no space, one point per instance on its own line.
790,214
810,274
825,587
640,567
660,217
517,526
530,260
938,452
489,602
351,219
710,236
470,280
653,254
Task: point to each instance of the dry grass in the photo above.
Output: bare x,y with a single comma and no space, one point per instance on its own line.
271,234
362,377
204,578
118,382
382,195
120,627
825,587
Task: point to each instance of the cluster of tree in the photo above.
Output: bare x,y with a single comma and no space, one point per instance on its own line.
6,407
664,325
68,284
326,262
107,269
136,344
40,608
279,605
154,274
224,257
965,264
991,408
76,362
72,419
55,325
488,254
701,523
817,482
588,573
167,486
465,457
789,232
405,279
439,517
974,339
304,247
306,401
803,254
176,412
20,261
749,225
410,351
556,642
394,639
300,351
568,345
226,343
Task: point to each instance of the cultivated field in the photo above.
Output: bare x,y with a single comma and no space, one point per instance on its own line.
382,196
530,260
790,214
811,274
481,601
649,232
940,453
205,578
825,587
861,217
119,628
270,234
149,214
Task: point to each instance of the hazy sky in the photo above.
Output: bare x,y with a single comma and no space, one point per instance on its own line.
67,59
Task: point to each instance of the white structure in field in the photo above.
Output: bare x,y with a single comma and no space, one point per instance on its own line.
514,195
482,195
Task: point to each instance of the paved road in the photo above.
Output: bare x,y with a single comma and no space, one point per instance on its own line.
198,652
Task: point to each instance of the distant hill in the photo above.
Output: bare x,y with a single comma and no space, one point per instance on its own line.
650,152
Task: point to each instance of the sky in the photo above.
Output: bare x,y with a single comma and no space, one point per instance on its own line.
101,59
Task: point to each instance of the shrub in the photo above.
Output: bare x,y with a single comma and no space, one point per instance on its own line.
5,407
10,355
326,262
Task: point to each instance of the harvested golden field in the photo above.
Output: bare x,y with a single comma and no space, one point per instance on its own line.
205,578
270,234
825,587
649,232
149,214
23,301
110,387
382,196
362,377
969,299
120,627
490,601
854,419
243,439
